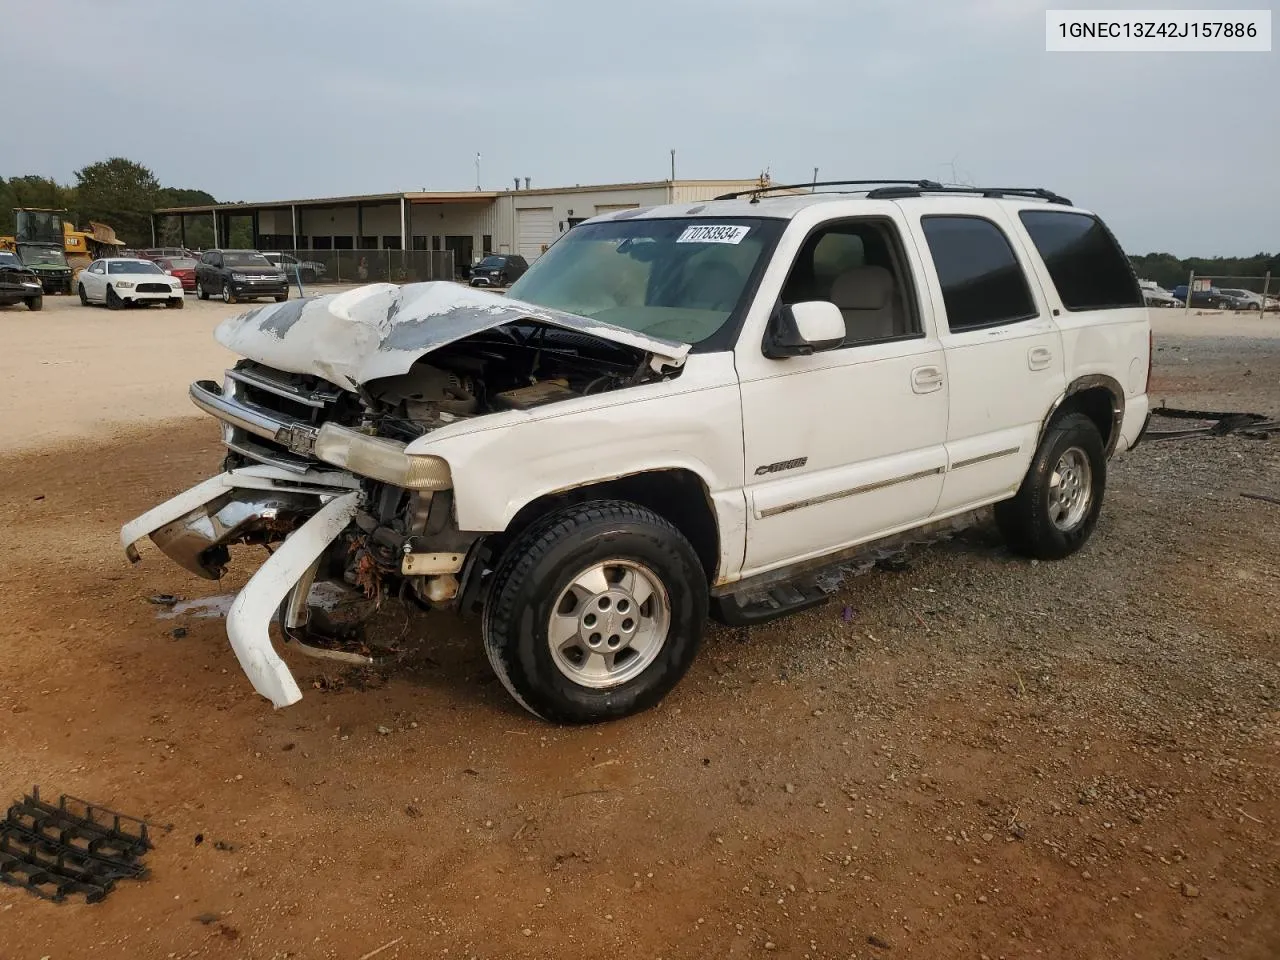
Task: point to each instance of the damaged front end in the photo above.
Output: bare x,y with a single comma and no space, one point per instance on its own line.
316,421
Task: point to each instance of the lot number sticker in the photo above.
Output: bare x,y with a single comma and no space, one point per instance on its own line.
712,233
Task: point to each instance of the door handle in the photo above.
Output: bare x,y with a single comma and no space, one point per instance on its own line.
1039,358
926,379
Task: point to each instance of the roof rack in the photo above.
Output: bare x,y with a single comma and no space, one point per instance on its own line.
898,192
755,192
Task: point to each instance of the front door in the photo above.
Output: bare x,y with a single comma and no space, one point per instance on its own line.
845,445
1004,351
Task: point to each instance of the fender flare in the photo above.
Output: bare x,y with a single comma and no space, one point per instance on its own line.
1090,382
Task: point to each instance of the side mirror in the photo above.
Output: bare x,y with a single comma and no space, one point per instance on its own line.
799,329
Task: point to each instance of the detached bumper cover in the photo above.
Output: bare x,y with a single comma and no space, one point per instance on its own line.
189,525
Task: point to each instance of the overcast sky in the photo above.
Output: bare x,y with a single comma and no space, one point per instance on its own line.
268,99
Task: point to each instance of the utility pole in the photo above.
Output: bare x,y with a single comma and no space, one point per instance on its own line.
673,166
815,181
477,171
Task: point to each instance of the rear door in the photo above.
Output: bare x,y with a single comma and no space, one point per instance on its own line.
1004,353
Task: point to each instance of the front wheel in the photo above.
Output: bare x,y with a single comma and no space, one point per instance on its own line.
35,303
176,303
1056,508
113,299
596,612
281,297
84,297
227,295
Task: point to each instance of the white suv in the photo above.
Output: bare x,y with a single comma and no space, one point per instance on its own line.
677,410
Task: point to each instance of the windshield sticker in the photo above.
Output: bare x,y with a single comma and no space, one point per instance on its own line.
712,233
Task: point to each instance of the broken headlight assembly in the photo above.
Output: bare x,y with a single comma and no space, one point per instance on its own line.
380,459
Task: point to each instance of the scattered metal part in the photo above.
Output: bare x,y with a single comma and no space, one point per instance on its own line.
73,847
164,600
1265,498
1256,426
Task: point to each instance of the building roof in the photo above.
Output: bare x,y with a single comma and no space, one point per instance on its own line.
450,196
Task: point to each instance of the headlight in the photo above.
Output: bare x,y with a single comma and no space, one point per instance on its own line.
380,459
31,283
123,284
280,276
240,277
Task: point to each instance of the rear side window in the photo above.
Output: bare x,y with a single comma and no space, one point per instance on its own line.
982,283
1088,267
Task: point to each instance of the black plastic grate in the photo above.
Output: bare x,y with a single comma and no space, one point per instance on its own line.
72,847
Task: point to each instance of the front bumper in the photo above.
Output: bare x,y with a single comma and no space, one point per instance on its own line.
55,282
193,527
259,288
133,296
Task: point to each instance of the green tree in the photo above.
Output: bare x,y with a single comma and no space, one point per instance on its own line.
199,232
31,191
121,193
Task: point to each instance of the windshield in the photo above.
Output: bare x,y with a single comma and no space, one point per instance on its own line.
43,255
9,260
232,259
132,266
492,262
679,279
180,263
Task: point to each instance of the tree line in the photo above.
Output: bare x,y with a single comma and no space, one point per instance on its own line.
118,192
1170,271
123,194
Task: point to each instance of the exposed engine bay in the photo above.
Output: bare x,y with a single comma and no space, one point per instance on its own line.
516,367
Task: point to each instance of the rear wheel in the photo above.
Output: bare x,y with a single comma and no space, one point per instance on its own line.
596,612
1057,506
201,292
35,303
113,299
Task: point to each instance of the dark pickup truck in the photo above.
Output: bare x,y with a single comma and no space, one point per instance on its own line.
236,275
18,283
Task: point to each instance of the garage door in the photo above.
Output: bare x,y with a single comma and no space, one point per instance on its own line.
535,228
615,207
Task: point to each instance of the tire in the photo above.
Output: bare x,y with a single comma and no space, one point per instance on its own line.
281,297
84,297
35,303
201,292
227,295
632,550
113,299
1056,508
176,303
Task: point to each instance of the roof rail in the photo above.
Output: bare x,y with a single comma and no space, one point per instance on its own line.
755,192
899,192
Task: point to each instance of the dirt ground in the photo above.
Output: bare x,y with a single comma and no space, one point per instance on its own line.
973,757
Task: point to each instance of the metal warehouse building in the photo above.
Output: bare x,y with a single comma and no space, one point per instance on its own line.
465,224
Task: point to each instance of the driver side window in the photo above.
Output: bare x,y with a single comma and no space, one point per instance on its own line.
859,266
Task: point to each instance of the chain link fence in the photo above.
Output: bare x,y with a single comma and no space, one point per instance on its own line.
365,266
1230,293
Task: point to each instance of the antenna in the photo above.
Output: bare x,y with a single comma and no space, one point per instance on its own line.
814,188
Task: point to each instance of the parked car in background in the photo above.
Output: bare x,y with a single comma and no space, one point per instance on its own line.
239,275
184,268
308,271
1211,299
18,283
1157,296
1243,299
161,253
498,270
121,281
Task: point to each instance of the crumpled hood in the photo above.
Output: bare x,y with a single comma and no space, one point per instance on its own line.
379,330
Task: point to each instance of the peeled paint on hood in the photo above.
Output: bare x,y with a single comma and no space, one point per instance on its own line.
381,329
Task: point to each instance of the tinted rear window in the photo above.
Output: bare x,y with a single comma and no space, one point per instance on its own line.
982,283
1088,267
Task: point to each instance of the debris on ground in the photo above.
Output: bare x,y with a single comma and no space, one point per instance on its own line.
74,847
1208,423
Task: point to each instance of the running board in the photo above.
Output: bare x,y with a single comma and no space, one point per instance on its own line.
781,601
